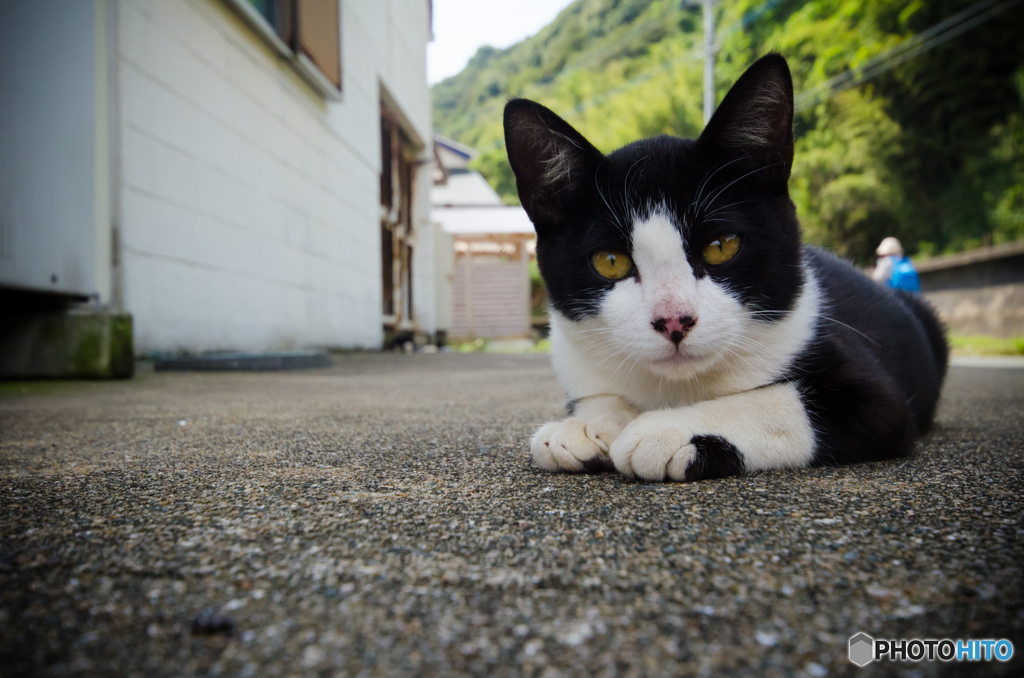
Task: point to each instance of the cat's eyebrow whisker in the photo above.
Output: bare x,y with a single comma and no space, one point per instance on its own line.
707,179
625,182
725,207
727,186
615,215
704,203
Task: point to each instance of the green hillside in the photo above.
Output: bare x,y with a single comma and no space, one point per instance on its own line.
923,139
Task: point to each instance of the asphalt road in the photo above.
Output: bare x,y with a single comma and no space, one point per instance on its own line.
382,518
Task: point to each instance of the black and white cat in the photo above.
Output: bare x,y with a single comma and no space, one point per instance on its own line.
694,335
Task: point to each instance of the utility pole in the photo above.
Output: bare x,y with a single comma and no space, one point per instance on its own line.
709,60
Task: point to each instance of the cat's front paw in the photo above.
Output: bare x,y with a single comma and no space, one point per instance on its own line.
656,446
575,445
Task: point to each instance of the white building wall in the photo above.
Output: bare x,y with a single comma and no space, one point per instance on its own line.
249,203
54,188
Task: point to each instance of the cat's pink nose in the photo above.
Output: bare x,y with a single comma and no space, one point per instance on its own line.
675,329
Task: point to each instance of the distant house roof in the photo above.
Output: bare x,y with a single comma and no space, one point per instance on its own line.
455,147
464,189
499,219
465,204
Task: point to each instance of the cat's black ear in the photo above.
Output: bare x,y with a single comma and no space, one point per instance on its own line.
756,116
551,160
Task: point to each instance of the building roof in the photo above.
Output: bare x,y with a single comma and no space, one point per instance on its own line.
465,189
500,219
455,147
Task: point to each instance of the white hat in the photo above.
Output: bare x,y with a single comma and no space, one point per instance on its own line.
890,247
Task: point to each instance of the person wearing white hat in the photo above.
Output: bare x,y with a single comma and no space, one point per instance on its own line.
894,269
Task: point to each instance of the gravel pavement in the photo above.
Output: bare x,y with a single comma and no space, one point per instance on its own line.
381,517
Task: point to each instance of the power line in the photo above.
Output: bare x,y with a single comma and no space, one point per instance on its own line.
931,38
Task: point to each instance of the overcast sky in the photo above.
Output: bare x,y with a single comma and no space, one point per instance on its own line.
461,27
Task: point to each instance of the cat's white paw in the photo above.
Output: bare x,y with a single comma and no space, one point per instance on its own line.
656,446
603,430
575,445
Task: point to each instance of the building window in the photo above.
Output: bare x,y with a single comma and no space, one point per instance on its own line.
308,31
266,10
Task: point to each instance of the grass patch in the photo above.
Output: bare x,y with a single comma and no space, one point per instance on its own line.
542,346
475,346
979,345
498,346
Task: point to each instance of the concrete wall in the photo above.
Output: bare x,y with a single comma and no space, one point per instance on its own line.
249,209
995,311
978,292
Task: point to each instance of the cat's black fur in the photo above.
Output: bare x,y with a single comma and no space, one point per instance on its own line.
869,377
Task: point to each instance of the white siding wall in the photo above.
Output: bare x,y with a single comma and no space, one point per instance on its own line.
249,207
54,188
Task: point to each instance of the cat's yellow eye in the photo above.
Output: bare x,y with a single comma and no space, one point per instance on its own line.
611,264
721,250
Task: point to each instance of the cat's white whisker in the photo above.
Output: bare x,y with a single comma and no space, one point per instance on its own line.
707,179
625,182
725,207
731,183
614,214
854,329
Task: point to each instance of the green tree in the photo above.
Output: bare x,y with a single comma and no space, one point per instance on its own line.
930,150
